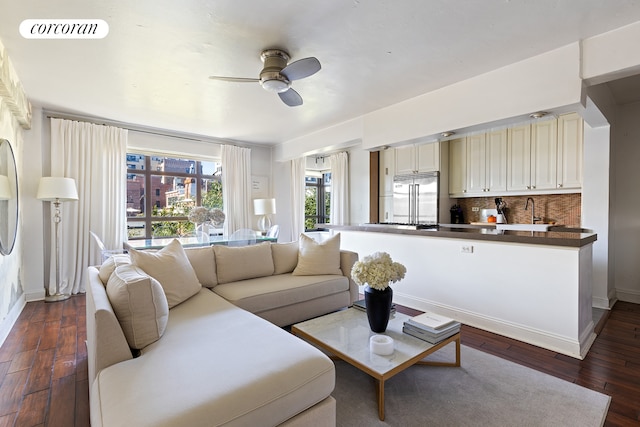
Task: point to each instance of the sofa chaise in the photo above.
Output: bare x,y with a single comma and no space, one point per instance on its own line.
192,337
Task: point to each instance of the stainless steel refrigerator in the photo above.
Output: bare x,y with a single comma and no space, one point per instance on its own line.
415,198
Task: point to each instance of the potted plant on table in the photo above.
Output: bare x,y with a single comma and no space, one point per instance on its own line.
377,272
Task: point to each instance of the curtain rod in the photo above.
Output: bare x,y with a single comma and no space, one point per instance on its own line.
51,114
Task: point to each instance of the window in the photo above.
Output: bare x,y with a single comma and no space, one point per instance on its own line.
161,191
317,200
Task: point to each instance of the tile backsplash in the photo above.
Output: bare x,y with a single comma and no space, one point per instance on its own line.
563,209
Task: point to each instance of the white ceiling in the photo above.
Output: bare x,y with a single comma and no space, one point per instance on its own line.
152,69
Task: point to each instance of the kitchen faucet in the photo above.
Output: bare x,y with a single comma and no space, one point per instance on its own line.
534,218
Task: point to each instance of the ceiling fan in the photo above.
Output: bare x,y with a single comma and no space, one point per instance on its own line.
277,74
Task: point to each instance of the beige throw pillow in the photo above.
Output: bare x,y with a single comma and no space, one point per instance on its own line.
140,305
171,267
285,257
318,258
110,264
203,262
235,263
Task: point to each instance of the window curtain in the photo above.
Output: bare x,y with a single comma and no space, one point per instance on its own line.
339,164
236,188
298,167
95,156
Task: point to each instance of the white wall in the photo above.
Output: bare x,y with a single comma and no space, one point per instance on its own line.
626,208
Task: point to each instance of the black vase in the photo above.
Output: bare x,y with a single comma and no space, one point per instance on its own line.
378,305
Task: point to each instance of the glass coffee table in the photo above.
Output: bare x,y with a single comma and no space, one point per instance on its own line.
346,333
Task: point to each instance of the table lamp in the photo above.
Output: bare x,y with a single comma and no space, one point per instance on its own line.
264,207
57,190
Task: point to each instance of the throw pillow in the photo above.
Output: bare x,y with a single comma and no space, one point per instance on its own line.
318,258
171,267
285,257
110,264
139,304
203,262
235,263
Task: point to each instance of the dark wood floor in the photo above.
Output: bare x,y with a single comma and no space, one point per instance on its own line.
43,364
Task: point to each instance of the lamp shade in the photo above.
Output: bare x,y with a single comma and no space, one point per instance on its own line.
264,206
54,188
5,188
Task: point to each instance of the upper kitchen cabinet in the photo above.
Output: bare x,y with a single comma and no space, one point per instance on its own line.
457,166
545,156
533,156
552,160
570,141
412,159
487,162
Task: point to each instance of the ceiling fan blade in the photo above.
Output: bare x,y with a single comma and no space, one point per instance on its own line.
291,98
234,79
302,68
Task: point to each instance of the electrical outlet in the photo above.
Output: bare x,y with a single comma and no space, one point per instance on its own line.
475,209
466,249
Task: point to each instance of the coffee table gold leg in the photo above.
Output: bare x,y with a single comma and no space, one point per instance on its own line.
458,352
381,399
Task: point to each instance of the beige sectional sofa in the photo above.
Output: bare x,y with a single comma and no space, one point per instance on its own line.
204,354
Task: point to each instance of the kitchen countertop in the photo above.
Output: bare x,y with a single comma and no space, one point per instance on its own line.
568,238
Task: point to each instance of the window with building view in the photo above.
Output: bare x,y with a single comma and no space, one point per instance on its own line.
317,201
161,191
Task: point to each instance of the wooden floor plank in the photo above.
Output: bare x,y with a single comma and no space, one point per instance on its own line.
33,410
62,405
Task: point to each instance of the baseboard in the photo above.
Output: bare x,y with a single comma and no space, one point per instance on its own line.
628,295
10,320
35,296
574,348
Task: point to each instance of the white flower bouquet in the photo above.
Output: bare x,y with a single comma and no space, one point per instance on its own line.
217,216
199,215
377,271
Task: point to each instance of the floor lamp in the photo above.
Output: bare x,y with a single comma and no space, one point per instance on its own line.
57,190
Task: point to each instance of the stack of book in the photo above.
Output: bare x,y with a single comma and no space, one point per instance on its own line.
431,327
360,305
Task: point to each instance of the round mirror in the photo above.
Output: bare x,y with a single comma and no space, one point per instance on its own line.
8,198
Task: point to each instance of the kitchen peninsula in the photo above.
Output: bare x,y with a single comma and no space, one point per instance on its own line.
535,287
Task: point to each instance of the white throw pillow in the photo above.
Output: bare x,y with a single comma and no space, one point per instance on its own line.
235,263
203,262
285,257
140,305
318,258
110,264
171,267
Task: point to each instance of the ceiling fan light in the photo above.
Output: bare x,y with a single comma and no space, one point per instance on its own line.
275,85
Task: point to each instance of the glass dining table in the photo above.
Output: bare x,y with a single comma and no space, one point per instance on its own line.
159,243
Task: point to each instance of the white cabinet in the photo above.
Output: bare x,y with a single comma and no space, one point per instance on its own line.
387,171
417,158
496,158
458,166
532,156
544,155
570,141
487,162
519,159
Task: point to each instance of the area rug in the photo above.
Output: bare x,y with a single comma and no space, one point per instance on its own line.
485,391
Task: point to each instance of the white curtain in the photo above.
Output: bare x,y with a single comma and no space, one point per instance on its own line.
298,167
236,188
95,156
339,164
